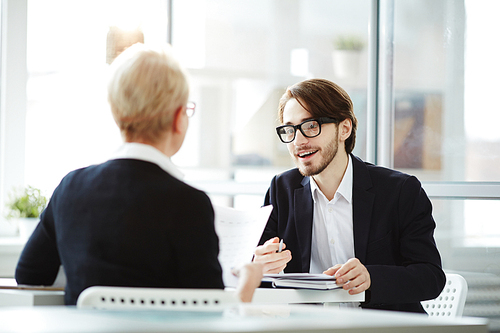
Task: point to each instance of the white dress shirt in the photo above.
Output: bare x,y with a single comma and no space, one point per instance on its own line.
332,233
143,152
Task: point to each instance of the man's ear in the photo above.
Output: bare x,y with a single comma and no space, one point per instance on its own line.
177,125
345,129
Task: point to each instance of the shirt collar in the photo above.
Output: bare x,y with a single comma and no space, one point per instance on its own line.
345,187
143,152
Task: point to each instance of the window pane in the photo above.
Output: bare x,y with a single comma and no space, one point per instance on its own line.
68,121
242,55
467,236
467,223
445,70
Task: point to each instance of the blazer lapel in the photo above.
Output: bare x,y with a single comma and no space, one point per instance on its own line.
362,206
303,209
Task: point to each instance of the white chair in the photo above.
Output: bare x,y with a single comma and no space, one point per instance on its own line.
100,297
451,301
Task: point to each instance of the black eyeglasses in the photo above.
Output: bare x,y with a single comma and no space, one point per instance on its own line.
190,108
309,128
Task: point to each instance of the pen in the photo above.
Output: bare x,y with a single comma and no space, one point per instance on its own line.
281,246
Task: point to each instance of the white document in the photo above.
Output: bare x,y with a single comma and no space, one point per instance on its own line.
239,232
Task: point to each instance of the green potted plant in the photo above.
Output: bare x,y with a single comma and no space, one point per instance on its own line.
349,43
346,55
25,206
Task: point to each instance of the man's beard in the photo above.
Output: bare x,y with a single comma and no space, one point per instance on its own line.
328,154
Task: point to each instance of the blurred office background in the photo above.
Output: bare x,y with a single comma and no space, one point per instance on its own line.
423,76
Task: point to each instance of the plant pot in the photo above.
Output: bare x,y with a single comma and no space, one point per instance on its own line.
346,63
27,226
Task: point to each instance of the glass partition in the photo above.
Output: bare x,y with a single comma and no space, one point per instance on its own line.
445,118
445,70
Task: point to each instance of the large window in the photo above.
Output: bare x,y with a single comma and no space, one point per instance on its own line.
242,55
444,106
444,115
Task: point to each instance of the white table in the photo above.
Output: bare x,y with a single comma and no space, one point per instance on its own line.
240,318
20,297
13,295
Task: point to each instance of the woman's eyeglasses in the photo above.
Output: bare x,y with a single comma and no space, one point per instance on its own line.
190,108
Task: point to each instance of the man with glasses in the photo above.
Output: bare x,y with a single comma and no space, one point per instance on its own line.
369,226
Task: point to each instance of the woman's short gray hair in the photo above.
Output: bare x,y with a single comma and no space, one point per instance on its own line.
146,87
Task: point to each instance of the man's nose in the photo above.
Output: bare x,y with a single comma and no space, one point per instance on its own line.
300,139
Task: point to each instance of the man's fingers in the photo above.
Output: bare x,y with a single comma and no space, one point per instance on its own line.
359,284
274,267
332,270
274,262
270,246
266,249
359,289
272,240
347,267
349,276
277,266
285,256
354,276
268,255
355,282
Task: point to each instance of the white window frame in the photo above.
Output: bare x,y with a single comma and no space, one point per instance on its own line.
14,75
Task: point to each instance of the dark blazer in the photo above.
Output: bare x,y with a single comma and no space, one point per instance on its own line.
125,222
393,233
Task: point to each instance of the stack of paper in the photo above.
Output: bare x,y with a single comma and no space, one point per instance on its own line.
302,281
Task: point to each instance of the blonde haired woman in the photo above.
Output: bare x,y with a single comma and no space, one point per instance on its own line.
132,221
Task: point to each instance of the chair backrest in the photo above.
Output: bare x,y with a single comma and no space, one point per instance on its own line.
101,297
451,301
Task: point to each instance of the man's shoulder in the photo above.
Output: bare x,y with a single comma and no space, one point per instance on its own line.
380,175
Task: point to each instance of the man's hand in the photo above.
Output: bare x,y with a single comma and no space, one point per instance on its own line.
268,255
353,275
